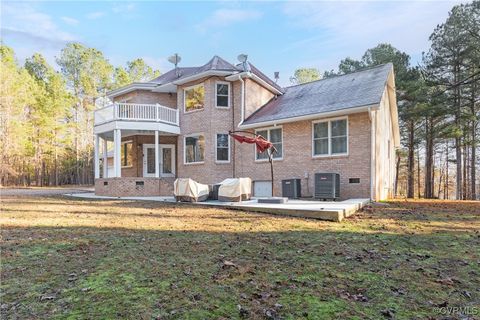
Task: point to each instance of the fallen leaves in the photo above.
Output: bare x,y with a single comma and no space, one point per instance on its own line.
48,297
228,264
151,260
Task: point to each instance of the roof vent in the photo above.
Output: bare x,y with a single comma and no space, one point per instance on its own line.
276,76
175,59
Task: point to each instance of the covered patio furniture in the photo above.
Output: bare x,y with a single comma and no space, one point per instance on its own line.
188,190
235,189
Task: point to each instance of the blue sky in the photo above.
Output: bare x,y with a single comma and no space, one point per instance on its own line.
277,36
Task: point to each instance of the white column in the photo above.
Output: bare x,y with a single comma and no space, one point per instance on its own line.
96,158
157,156
117,150
105,159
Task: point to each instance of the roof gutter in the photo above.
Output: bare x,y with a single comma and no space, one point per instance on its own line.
249,74
201,75
131,87
312,116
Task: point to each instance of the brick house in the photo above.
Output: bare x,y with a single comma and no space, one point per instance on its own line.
177,126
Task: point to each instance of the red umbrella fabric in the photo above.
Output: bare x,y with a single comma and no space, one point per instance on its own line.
261,143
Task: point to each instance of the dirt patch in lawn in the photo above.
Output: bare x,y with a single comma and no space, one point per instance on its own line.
64,258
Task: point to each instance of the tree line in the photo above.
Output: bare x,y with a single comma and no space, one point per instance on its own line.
438,104
46,117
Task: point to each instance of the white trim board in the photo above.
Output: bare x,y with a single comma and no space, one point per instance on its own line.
313,116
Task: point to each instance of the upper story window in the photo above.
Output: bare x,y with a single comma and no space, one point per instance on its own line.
194,98
127,154
330,137
275,136
222,151
195,148
222,94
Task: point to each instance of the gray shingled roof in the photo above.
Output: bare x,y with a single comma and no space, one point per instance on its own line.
216,63
352,90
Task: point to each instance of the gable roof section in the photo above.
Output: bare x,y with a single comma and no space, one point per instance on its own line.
262,76
215,64
354,90
168,81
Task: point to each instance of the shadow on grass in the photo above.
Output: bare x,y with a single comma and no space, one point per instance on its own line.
86,272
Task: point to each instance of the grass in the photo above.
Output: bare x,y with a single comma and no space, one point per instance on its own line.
79,259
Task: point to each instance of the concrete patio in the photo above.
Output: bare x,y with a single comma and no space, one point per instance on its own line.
323,210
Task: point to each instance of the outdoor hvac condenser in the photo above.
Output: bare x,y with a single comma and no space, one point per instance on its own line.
291,188
327,186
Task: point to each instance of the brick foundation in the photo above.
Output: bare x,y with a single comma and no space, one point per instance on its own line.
134,187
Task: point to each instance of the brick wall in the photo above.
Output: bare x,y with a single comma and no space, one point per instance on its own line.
209,122
131,187
298,162
148,97
297,159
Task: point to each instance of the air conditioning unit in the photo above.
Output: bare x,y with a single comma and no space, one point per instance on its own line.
327,186
291,188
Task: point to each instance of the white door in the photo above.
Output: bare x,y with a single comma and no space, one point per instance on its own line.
167,160
110,172
262,188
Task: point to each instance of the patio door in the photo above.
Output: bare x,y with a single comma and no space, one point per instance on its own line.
167,160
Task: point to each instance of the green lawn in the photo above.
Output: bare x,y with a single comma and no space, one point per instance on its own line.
74,259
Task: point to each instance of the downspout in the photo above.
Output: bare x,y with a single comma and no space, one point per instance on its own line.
233,128
373,159
242,95
242,99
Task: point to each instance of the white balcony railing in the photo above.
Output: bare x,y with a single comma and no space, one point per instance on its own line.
136,112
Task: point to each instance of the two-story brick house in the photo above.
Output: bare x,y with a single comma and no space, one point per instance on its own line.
177,126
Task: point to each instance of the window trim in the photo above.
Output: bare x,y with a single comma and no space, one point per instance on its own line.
121,153
228,97
329,154
185,148
268,138
216,147
185,100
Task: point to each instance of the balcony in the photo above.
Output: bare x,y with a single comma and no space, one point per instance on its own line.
136,112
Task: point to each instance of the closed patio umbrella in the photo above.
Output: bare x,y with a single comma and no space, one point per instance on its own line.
262,145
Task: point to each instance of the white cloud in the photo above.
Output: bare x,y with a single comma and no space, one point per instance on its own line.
27,30
227,17
349,28
70,21
24,18
160,63
95,15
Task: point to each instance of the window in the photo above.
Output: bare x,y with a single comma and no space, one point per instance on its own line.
126,157
274,135
194,149
194,98
222,90
330,137
223,148
320,138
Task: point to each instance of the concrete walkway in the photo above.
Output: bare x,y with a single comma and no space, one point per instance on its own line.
324,210
43,191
